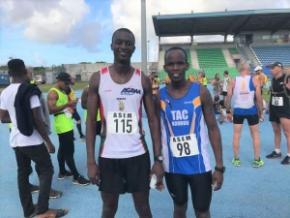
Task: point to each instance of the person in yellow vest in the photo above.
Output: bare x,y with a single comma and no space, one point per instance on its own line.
60,106
167,80
261,77
200,77
155,85
75,115
191,78
84,99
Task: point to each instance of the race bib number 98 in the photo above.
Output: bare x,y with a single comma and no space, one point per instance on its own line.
122,123
184,146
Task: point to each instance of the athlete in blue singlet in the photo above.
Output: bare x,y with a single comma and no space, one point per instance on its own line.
186,114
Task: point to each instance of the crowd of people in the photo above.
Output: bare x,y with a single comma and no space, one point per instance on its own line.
181,118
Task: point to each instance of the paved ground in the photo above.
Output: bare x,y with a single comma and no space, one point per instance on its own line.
247,192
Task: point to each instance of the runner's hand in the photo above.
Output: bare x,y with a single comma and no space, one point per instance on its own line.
217,180
158,170
72,103
50,148
229,117
94,173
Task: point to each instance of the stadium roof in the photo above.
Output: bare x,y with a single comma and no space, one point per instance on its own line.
222,23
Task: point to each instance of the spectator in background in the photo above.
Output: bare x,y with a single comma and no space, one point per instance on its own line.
216,83
280,110
225,83
75,115
20,104
202,79
261,77
60,106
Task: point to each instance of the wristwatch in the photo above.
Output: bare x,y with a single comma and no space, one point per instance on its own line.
158,158
220,169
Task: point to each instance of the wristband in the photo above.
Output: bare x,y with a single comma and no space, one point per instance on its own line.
220,169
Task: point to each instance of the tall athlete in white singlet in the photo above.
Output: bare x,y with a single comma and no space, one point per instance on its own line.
124,163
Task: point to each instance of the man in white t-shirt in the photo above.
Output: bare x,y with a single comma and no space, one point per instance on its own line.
28,146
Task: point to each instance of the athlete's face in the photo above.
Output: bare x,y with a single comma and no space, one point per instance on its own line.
175,65
276,70
63,85
123,46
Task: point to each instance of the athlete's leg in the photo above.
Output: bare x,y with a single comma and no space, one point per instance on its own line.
277,135
110,204
60,155
254,129
141,202
177,187
68,146
77,118
236,139
201,191
285,123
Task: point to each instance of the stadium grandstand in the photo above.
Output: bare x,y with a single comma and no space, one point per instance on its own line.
257,36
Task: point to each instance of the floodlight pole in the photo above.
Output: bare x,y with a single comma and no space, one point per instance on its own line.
143,37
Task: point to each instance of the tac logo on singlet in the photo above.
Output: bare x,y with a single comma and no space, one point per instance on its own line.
130,91
180,117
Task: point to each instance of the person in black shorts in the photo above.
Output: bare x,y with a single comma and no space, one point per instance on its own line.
280,110
245,90
119,91
185,161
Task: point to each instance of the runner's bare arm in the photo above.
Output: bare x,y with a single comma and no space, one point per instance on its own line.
258,96
4,116
40,127
152,111
152,114
228,98
51,102
92,107
213,130
84,98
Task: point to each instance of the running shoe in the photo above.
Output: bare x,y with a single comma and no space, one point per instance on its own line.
286,160
274,155
34,188
236,162
81,181
257,163
53,194
63,175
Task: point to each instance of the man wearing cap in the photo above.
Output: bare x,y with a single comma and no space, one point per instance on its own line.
261,77
60,106
280,110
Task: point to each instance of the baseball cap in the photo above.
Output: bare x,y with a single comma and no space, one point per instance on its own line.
258,68
63,76
276,64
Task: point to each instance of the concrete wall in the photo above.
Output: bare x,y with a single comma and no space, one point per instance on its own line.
86,70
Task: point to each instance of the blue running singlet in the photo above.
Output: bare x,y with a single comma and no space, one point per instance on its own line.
184,133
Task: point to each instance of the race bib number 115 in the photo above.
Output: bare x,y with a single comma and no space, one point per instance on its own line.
122,123
183,146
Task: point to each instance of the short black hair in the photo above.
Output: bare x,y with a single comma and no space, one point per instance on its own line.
16,67
176,48
226,72
123,30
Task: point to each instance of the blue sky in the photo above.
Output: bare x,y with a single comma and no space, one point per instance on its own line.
14,43
53,32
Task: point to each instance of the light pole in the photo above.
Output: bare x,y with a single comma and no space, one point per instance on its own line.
143,37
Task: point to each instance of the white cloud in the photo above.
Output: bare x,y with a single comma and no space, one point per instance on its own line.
126,13
53,21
